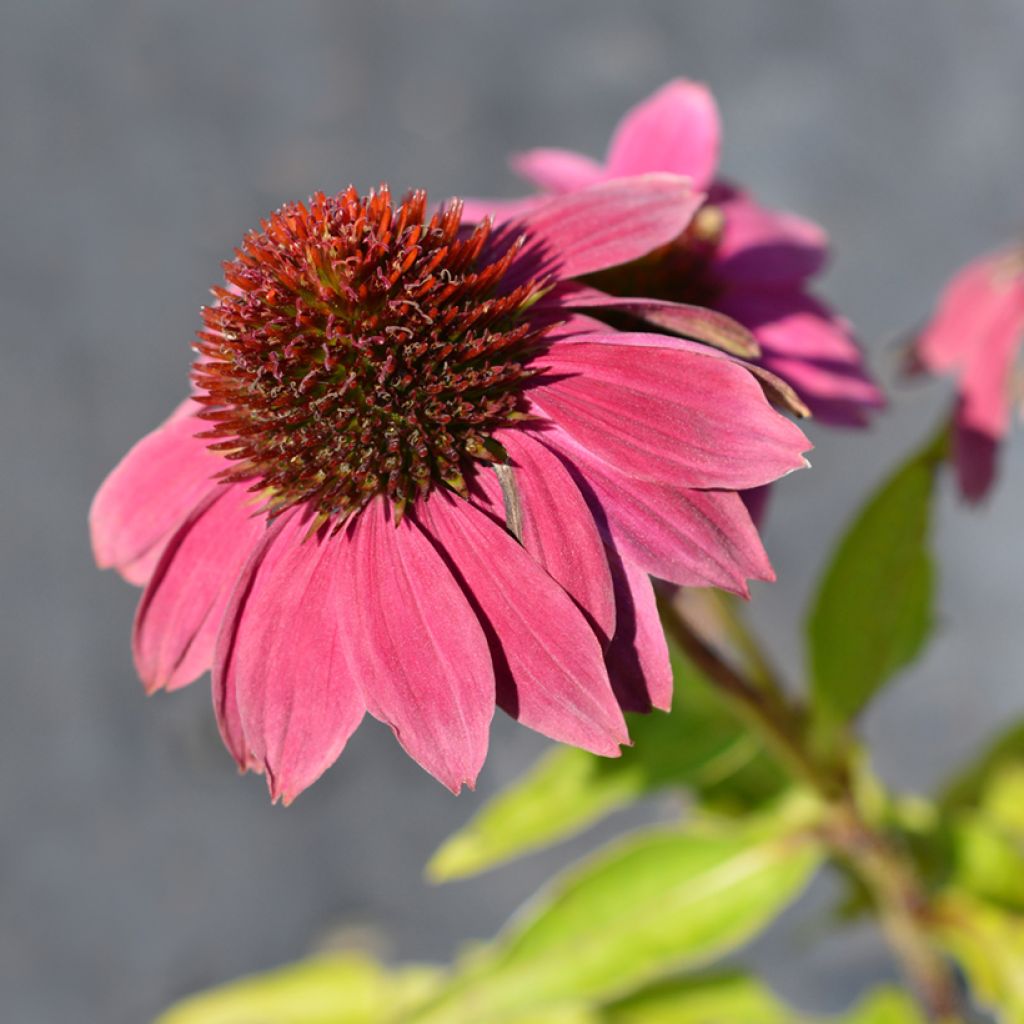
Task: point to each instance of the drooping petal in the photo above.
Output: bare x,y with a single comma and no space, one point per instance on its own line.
791,323
676,129
559,170
697,322
148,493
828,387
181,609
558,528
764,248
975,456
601,226
637,658
417,646
549,665
667,414
285,694
690,537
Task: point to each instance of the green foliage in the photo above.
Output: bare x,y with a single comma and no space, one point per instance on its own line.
967,786
700,746
707,999
347,988
988,943
873,609
662,901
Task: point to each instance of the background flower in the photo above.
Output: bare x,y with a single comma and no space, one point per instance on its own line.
975,334
737,256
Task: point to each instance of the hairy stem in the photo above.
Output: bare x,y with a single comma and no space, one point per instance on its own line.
881,866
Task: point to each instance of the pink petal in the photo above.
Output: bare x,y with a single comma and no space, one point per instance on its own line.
180,612
677,129
698,322
602,226
550,670
148,493
985,386
690,537
667,414
791,323
637,659
417,646
558,528
285,695
827,382
499,210
980,303
766,248
559,170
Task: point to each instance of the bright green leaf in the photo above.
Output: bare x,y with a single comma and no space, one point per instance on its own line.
873,610
966,788
988,943
331,989
886,1006
664,900
700,745
987,861
702,1000
740,999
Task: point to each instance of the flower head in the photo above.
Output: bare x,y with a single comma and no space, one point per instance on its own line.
410,481
736,256
976,334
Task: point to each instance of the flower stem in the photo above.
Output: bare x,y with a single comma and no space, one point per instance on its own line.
880,865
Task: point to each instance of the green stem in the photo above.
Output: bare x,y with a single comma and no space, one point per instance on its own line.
882,867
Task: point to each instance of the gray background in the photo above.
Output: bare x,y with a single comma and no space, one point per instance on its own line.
139,141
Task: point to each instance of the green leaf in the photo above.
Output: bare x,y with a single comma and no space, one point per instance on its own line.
988,943
988,862
332,989
700,745
664,900
873,610
702,1000
966,788
740,999
886,1006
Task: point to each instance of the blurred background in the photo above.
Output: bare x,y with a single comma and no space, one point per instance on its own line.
140,140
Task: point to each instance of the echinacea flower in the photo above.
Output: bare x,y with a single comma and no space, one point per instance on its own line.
408,483
735,256
976,334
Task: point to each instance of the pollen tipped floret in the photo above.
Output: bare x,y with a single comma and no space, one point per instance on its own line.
358,349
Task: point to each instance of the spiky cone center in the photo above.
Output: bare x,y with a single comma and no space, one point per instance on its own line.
679,272
358,349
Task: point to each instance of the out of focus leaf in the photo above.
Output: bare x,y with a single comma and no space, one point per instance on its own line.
664,900
740,999
702,1000
886,1006
965,789
988,838
700,745
988,862
873,609
988,943
332,989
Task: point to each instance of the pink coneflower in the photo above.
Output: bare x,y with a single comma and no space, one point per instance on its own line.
409,483
735,256
976,333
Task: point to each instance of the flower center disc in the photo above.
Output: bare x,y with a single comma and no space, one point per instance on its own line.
358,349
